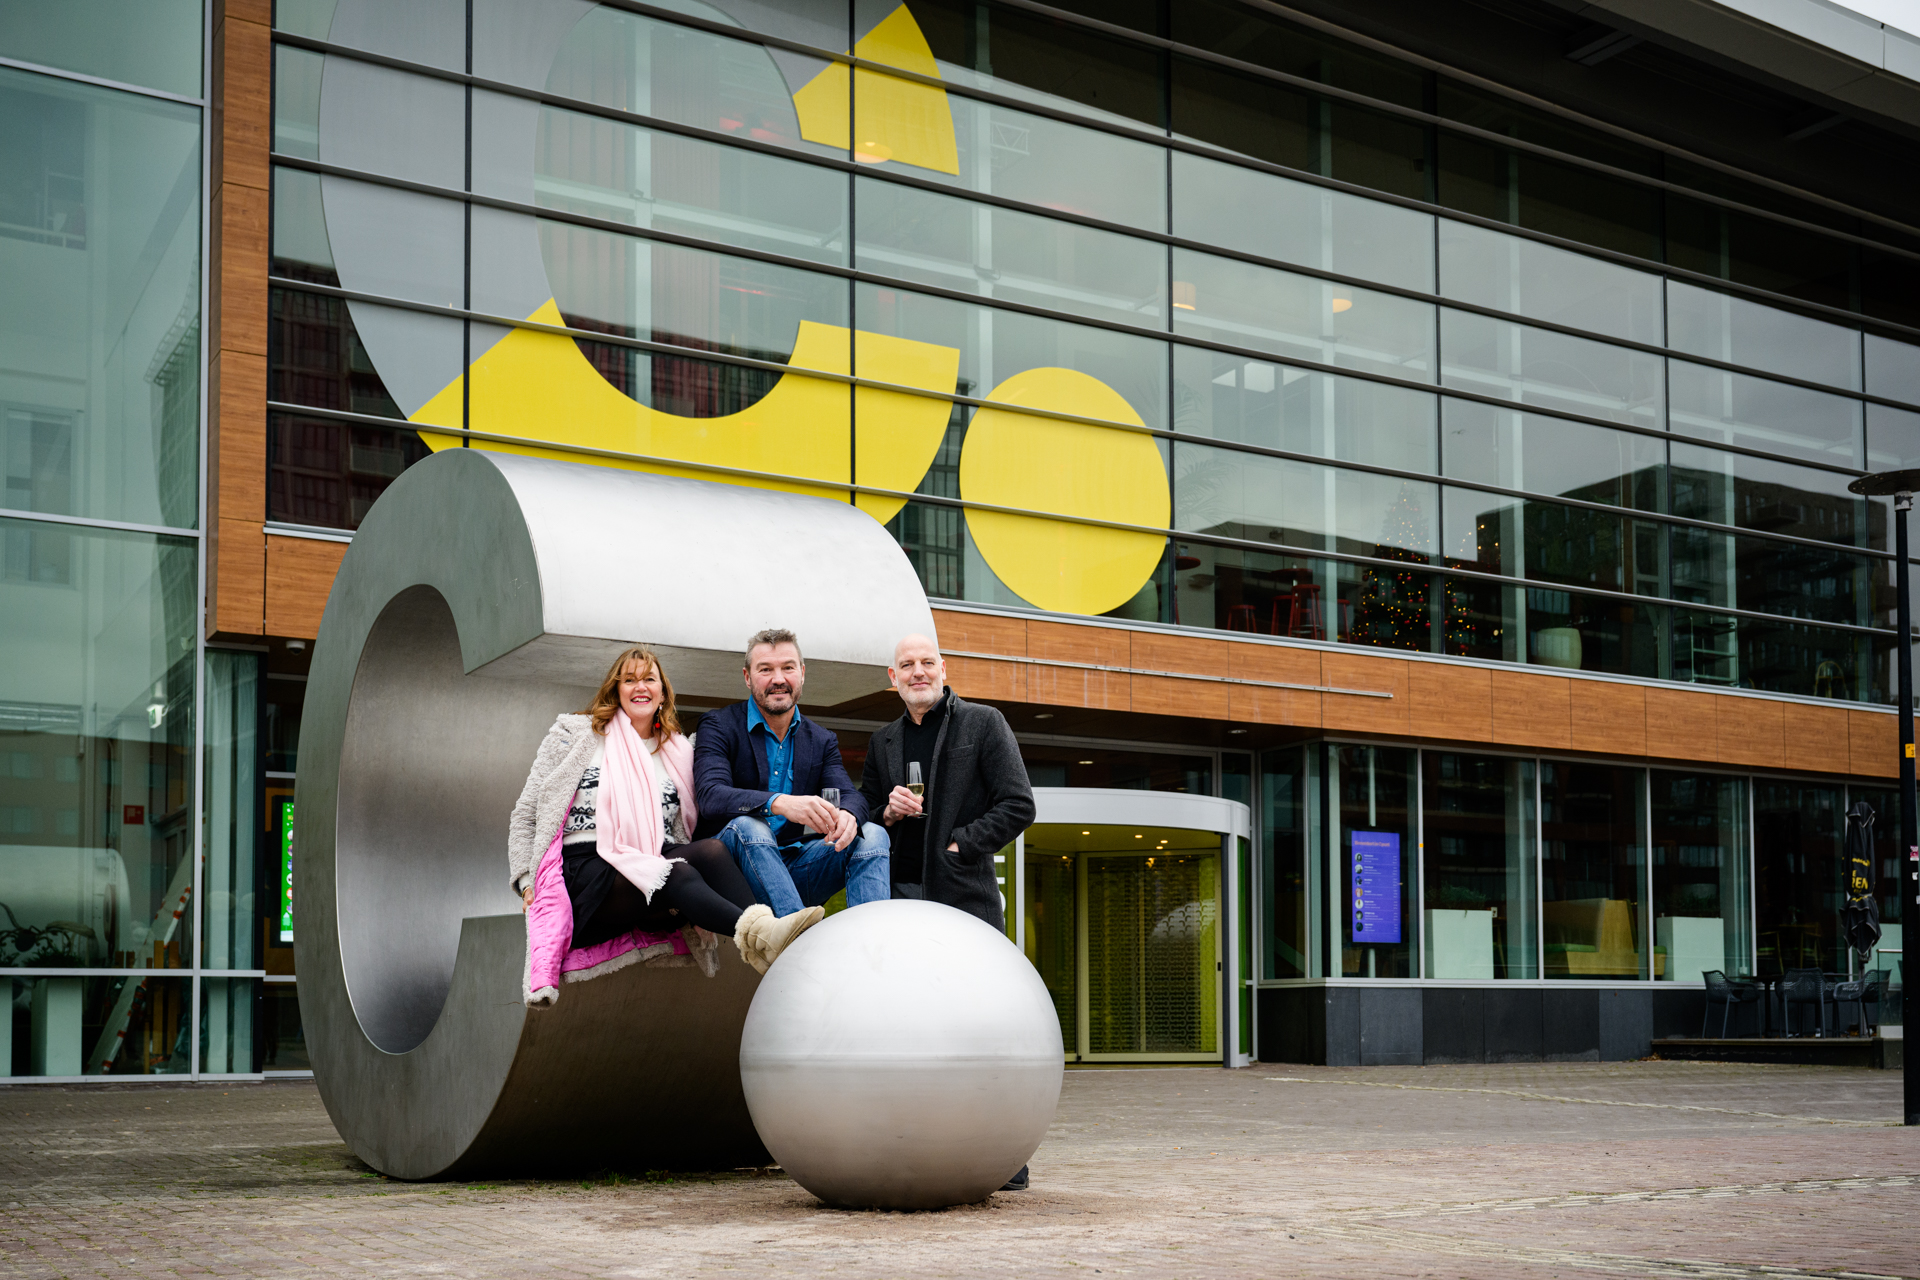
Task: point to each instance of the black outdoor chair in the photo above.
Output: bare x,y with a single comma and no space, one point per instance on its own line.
1804,986
1862,992
1729,994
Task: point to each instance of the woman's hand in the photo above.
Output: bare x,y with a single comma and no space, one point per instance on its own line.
526,899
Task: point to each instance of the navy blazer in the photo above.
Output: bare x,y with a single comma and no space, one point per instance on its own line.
730,771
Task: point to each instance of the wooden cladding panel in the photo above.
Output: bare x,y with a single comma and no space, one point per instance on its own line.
979,678
1343,712
1814,733
1750,731
1873,743
981,633
239,600
1532,710
1079,687
1450,702
1608,718
237,560
1282,665
237,387
1682,724
1157,651
300,574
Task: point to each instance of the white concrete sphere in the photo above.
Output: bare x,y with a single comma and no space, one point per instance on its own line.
902,1055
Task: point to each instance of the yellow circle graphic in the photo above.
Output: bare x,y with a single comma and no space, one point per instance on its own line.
1068,469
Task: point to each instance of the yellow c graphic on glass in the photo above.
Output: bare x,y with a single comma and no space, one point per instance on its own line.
1067,468
893,119
540,385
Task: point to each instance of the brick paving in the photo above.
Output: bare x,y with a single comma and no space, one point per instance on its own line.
1629,1169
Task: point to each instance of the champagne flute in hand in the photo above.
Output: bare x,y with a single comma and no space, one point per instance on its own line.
914,784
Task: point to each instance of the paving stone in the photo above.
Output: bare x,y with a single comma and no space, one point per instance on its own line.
1628,1169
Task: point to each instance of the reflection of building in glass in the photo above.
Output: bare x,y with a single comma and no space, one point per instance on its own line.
1261,421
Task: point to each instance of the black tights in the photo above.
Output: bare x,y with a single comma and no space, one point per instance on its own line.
707,889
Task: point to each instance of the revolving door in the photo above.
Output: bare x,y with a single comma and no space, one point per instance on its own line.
1129,922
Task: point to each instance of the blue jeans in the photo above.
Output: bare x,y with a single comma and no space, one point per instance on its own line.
808,873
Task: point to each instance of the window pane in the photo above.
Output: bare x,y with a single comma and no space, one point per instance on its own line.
1748,249
296,102
231,801
96,736
1893,369
606,169
1541,282
1528,190
283,1038
1782,578
121,1026
227,1021
1777,497
1550,455
1799,855
1303,504
1374,895
1701,898
1720,326
1782,657
1234,589
635,63
433,32
155,43
1056,165
1481,867
691,298
995,345
1281,407
1019,257
1300,316
100,340
1037,59
1737,408
1893,438
1550,370
1275,217
1284,859
1592,874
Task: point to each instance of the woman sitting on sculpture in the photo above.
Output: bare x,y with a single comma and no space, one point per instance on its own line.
611,793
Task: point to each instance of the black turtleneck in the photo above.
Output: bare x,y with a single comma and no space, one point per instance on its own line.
909,835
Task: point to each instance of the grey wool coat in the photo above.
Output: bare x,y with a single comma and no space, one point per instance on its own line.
978,797
543,802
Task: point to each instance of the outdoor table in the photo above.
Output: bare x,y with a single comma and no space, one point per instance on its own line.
1768,986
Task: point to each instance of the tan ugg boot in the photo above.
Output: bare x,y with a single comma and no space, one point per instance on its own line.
777,933
753,922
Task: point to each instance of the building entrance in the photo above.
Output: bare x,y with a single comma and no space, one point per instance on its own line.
1124,901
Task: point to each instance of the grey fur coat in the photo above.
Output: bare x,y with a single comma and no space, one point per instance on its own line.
543,803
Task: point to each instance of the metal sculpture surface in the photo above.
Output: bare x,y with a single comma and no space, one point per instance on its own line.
484,594
902,1055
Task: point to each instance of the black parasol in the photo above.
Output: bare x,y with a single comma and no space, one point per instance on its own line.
1861,917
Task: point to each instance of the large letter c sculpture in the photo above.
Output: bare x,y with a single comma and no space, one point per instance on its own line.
483,595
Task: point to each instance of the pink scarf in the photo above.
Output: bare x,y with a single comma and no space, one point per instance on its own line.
627,819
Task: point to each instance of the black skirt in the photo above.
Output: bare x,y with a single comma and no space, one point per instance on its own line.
590,878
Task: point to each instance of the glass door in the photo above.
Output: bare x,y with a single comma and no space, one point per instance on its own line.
1123,924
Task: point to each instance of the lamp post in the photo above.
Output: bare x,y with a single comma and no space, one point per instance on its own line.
1901,486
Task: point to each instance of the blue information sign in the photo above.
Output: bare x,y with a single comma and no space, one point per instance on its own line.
1376,886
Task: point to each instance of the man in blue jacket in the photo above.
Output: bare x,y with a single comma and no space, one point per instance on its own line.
759,767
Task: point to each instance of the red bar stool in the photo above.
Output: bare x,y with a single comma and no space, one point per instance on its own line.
1303,615
1240,618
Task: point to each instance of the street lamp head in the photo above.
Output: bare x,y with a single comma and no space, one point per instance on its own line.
1884,484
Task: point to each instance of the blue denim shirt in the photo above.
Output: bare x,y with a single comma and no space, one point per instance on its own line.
779,758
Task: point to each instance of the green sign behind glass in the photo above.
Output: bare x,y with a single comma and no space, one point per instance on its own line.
286,869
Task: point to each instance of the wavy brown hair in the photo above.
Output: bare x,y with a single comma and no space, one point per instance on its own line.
606,703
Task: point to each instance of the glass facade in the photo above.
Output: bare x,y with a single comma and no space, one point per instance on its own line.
103,939
1530,868
1130,333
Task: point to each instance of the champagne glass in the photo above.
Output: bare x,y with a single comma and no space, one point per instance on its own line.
914,784
832,796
